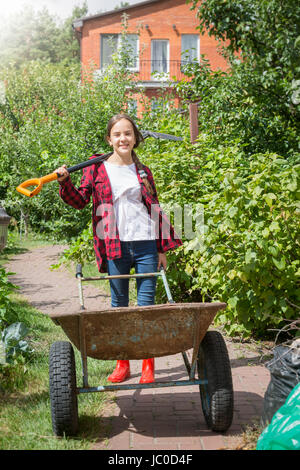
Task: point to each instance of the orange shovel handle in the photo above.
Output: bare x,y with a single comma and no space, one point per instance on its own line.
38,182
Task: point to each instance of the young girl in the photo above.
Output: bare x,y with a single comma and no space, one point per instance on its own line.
129,227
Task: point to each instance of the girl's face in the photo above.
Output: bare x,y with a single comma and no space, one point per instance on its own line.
122,138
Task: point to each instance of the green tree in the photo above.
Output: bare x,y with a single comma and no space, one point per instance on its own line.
258,100
68,45
28,36
263,32
49,118
31,35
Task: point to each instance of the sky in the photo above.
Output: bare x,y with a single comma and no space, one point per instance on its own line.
61,8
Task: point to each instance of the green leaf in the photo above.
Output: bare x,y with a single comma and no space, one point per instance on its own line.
293,186
270,197
274,227
232,212
250,256
257,191
14,332
216,259
265,232
232,302
273,250
232,274
280,264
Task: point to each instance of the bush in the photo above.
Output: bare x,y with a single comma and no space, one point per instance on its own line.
14,344
7,312
249,251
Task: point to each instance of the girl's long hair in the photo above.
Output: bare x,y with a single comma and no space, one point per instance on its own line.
138,139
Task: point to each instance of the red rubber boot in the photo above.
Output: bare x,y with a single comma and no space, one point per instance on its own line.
121,372
147,371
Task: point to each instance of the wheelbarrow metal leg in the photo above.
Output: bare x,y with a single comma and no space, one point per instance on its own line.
186,362
191,368
83,351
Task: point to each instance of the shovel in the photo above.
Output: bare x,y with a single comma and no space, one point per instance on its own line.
39,182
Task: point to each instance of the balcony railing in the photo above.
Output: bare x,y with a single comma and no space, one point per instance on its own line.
160,70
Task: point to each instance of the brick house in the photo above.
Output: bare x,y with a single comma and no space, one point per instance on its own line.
162,34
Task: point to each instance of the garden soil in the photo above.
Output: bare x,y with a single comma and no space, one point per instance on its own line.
155,419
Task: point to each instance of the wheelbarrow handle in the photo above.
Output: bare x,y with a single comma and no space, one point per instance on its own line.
161,273
166,285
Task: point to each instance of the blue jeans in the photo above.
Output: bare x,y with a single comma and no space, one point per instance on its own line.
142,255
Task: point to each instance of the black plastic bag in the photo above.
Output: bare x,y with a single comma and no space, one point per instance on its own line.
285,375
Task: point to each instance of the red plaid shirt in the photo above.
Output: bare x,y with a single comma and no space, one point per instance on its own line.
95,182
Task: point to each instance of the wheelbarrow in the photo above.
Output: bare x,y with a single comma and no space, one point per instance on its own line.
148,331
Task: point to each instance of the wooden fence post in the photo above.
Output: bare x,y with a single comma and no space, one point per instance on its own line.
194,128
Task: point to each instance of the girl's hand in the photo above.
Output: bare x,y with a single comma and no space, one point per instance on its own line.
63,172
162,261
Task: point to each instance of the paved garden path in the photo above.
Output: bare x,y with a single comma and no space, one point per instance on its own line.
158,419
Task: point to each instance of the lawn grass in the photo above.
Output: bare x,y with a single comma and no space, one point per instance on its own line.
25,418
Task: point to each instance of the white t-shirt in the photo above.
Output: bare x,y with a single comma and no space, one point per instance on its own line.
133,220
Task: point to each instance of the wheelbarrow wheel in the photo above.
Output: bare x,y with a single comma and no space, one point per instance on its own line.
217,395
62,382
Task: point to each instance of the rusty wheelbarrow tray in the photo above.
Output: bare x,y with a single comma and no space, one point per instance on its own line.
148,331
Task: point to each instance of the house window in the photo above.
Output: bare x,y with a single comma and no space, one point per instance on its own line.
111,43
159,56
132,106
189,47
154,104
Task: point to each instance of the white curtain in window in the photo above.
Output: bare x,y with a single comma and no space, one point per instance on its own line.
159,59
189,47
